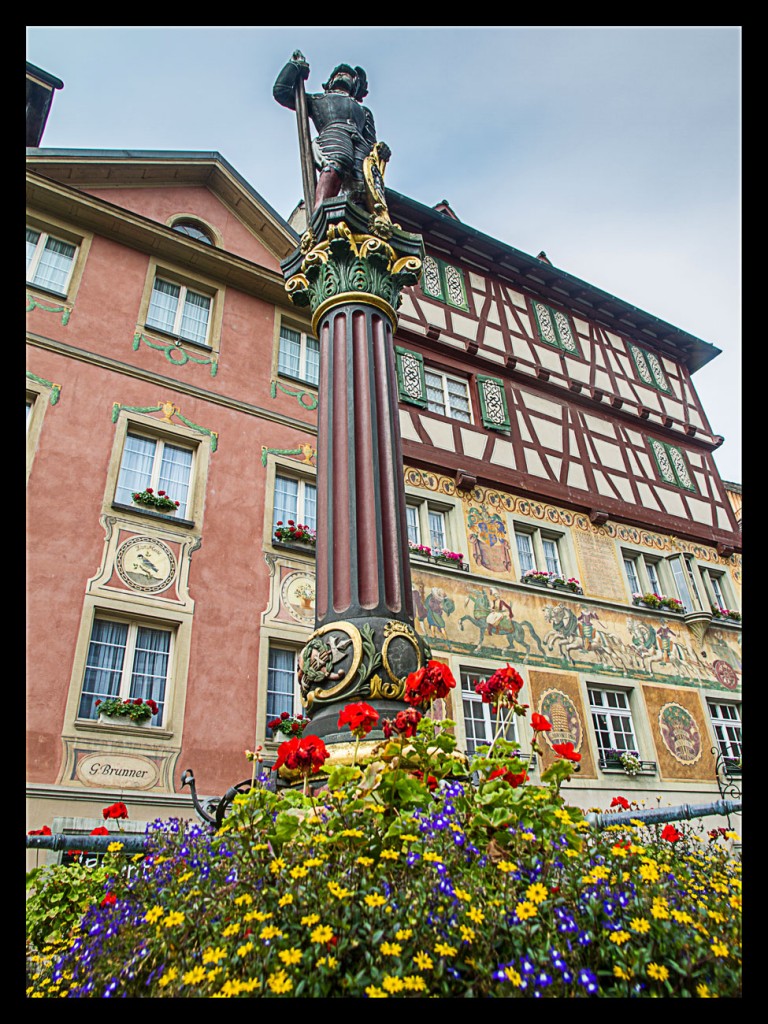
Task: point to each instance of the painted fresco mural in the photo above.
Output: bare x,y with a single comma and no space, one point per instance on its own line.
557,696
680,733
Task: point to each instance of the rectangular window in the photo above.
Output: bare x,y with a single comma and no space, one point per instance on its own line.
643,574
540,551
633,579
525,551
551,556
479,724
298,356
128,660
412,521
685,582
653,576
448,396
649,369
718,589
156,463
50,261
295,499
429,526
612,721
671,464
176,309
555,328
281,682
437,533
444,282
726,722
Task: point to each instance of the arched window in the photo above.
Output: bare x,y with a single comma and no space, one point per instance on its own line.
193,229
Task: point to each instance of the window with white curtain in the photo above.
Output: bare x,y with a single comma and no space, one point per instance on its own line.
281,683
176,309
298,355
50,261
726,722
157,463
129,660
448,396
612,720
428,525
295,499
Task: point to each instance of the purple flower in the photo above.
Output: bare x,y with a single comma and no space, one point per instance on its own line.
588,979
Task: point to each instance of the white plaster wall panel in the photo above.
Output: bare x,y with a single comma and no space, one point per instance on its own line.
434,315
476,281
576,477
610,454
672,503
522,430
615,341
633,437
493,313
494,357
674,383
573,444
597,356
670,368
701,482
548,434
503,454
407,429
603,381
650,399
695,419
464,326
473,442
549,358
516,298
645,464
694,458
555,464
581,326
700,511
440,434
534,465
577,369
647,497
521,349
672,407
522,324
600,426
623,486
722,519
539,404
527,369
625,389
633,465
626,367
611,361
493,339
407,307
446,339
603,487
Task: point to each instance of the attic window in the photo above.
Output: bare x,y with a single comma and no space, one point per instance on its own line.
193,229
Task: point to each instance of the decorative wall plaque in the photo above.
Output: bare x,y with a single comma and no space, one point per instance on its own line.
562,713
680,733
297,593
145,564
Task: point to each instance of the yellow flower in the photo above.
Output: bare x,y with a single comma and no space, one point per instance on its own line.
231,929
659,912
339,891
270,932
375,900
186,876
467,934
364,861
658,972
256,915
637,822
571,853
152,915
702,991
404,933
389,855
297,872
719,949
212,956
512,975
525,910
321,934
310,919
732,835
391,948
314,862
277,865
599,871
639,924
619,937
212,974
193,977
392,984
279,982
476,915
414,982
504,866
354,833
115,847
681,917
536,893
290,956
406,837
261,846
375,993
244,949
716,916
649,872
434,857
442,949
170,975
562,815
619,972
423,961
175,917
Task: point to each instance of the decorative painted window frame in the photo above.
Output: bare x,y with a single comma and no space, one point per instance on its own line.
40,393
555,328
442,274
451,508
166,270
649,369
676,472
286,467
81,239
291,637
534,528
128,419
305,331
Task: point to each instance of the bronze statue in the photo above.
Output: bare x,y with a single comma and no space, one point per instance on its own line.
346,133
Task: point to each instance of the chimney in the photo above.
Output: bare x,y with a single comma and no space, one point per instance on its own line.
40,88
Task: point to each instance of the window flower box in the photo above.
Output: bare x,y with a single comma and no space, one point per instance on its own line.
726,613
448,556
626,761
295,533
660,602
156,501
537,577
420,550
555,580
114,711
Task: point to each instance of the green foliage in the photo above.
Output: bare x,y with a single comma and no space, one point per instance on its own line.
57,897
382,883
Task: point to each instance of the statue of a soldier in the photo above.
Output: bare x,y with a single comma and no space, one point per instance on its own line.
345,129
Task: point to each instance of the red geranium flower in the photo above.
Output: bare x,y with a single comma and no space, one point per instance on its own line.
539,723
432,681
670,833
118,810
304,753
566,750
501,688
44,831
360,718
430,781
100,831
513,779
109,898
405,723
620,801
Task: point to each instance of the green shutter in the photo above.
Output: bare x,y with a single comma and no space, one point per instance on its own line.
493,403
545,324
454,292
410,377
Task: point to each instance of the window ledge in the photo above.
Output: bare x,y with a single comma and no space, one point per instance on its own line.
298,380
305,549
46,291
614,767
176,520
178,338
546,585
149,731
444,563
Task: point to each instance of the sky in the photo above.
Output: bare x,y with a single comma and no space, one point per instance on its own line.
616,150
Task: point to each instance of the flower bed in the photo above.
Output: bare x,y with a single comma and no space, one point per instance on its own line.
399,878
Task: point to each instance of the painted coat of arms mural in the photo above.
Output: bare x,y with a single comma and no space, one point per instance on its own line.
680,733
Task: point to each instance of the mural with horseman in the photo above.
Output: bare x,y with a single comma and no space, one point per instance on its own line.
474,617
